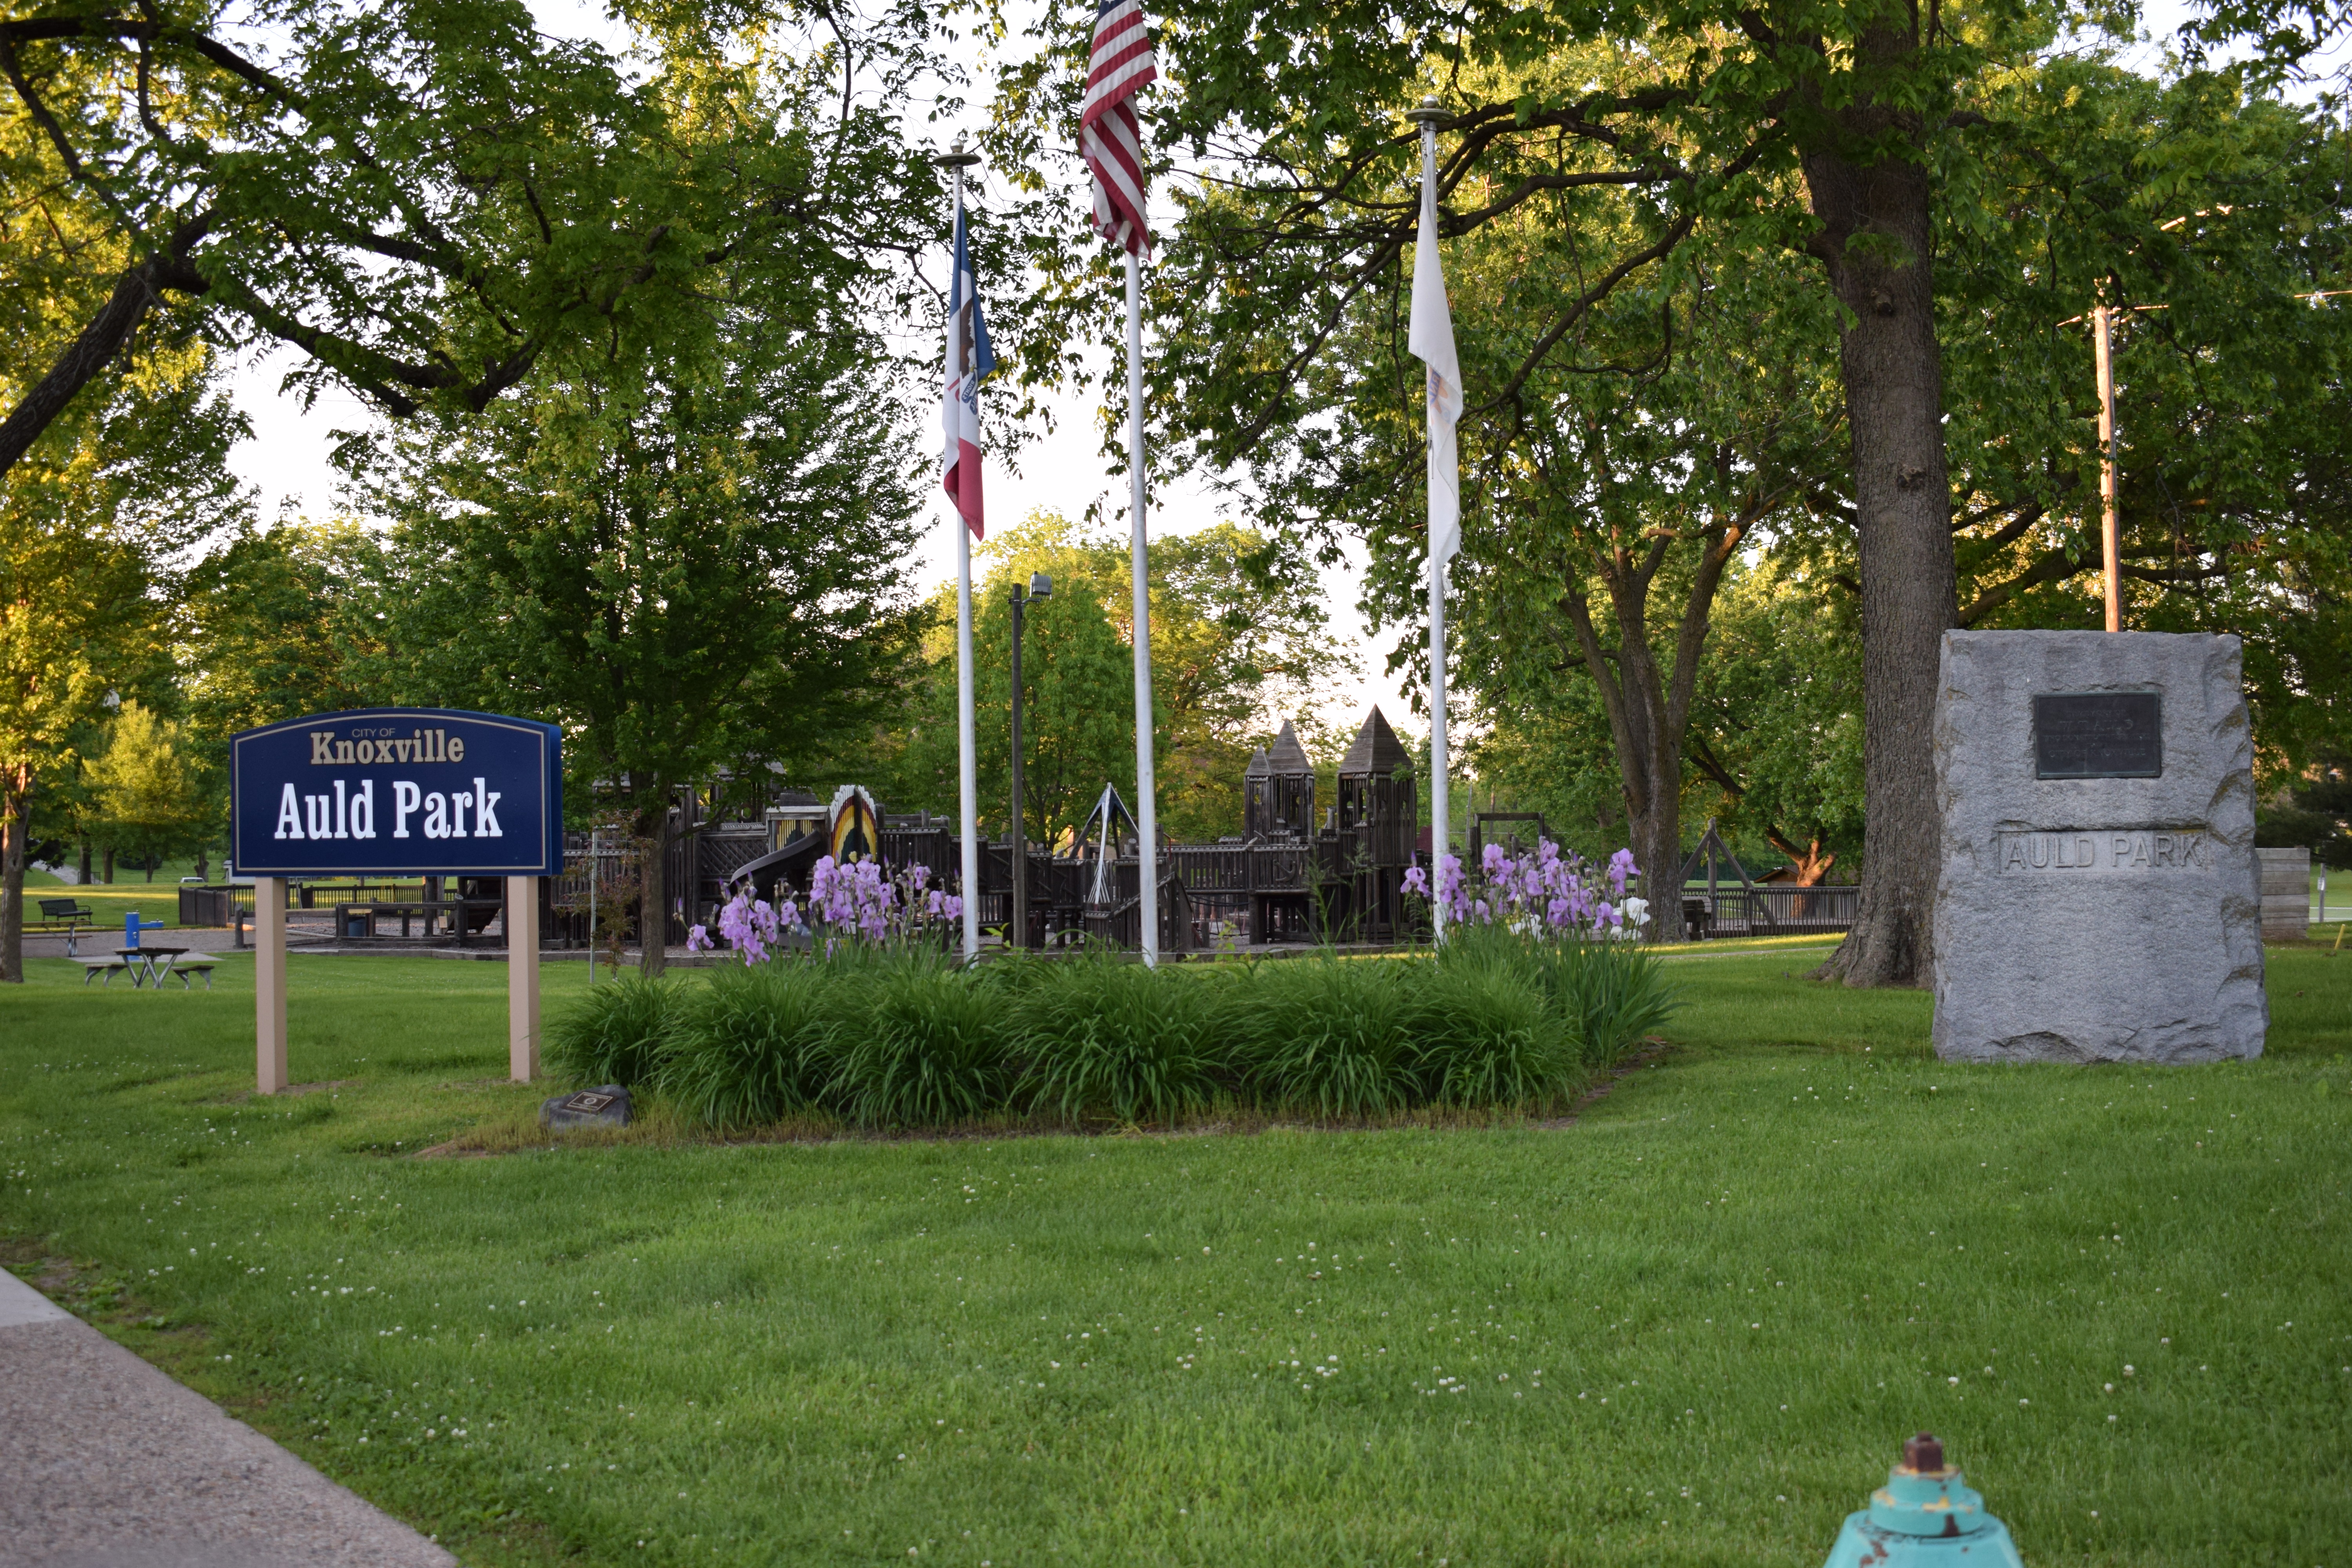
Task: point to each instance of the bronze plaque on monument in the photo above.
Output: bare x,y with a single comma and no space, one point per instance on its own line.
2098,735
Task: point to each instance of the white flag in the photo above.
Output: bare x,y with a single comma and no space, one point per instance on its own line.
1431,339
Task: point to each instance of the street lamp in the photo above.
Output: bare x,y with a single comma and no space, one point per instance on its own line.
1017,929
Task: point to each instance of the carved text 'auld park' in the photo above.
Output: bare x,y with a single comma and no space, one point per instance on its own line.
2133,849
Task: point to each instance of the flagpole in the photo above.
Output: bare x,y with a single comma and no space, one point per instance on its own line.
1139,569
967,744
1441,793
1119,66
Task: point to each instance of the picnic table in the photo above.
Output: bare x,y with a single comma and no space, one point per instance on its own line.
151,964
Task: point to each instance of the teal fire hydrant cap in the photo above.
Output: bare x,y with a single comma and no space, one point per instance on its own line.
1925,1513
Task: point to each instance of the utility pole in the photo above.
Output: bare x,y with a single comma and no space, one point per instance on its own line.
2111,547
1016,927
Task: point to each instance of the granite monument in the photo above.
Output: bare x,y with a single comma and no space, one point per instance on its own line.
2098,898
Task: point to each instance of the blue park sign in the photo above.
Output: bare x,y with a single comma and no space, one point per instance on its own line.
407,790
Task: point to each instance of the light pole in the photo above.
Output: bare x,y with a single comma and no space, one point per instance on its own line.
1016,932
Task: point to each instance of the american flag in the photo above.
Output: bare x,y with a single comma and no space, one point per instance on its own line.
1108,132
970,359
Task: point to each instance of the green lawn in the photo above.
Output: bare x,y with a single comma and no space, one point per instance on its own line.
167,875
1691,1328
157,900
109,903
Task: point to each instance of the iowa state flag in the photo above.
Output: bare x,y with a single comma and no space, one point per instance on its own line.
970,361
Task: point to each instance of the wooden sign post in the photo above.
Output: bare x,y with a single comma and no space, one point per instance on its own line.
269,984
523,978
401,792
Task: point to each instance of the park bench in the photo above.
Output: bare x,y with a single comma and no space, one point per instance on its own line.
185,967
93,967
69,914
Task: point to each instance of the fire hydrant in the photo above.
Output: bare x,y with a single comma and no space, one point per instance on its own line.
1924,1514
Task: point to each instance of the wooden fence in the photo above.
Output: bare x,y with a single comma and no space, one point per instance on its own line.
1771,911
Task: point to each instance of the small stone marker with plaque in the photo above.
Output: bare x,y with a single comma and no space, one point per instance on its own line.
2098,899
607,1106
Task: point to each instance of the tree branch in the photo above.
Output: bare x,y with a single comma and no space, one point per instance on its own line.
2011,530
2055,566
134,292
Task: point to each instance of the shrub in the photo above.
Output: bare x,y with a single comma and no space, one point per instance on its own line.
1099,1036
619,1033
1325,1034
916,1043
753,1045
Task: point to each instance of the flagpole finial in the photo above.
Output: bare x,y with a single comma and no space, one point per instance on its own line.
955,157
1429,112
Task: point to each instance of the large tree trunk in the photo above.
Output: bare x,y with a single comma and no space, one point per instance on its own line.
1649,708
16,822
1894,394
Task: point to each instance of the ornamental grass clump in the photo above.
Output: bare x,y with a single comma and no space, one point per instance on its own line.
1610,995
1330,1036
619,1033
1488,1036
754,1045
1100,1037
917,1042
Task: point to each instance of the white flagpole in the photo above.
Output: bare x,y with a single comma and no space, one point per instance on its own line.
1440,796
967,746
1138,568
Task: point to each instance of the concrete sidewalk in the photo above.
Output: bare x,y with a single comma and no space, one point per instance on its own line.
107,1463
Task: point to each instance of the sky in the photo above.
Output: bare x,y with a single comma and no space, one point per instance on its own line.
286,459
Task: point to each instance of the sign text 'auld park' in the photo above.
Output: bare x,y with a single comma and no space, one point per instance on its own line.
414,790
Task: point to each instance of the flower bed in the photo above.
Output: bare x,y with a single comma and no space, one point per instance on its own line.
852,1008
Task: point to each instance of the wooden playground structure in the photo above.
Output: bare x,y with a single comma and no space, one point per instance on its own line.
1286,878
